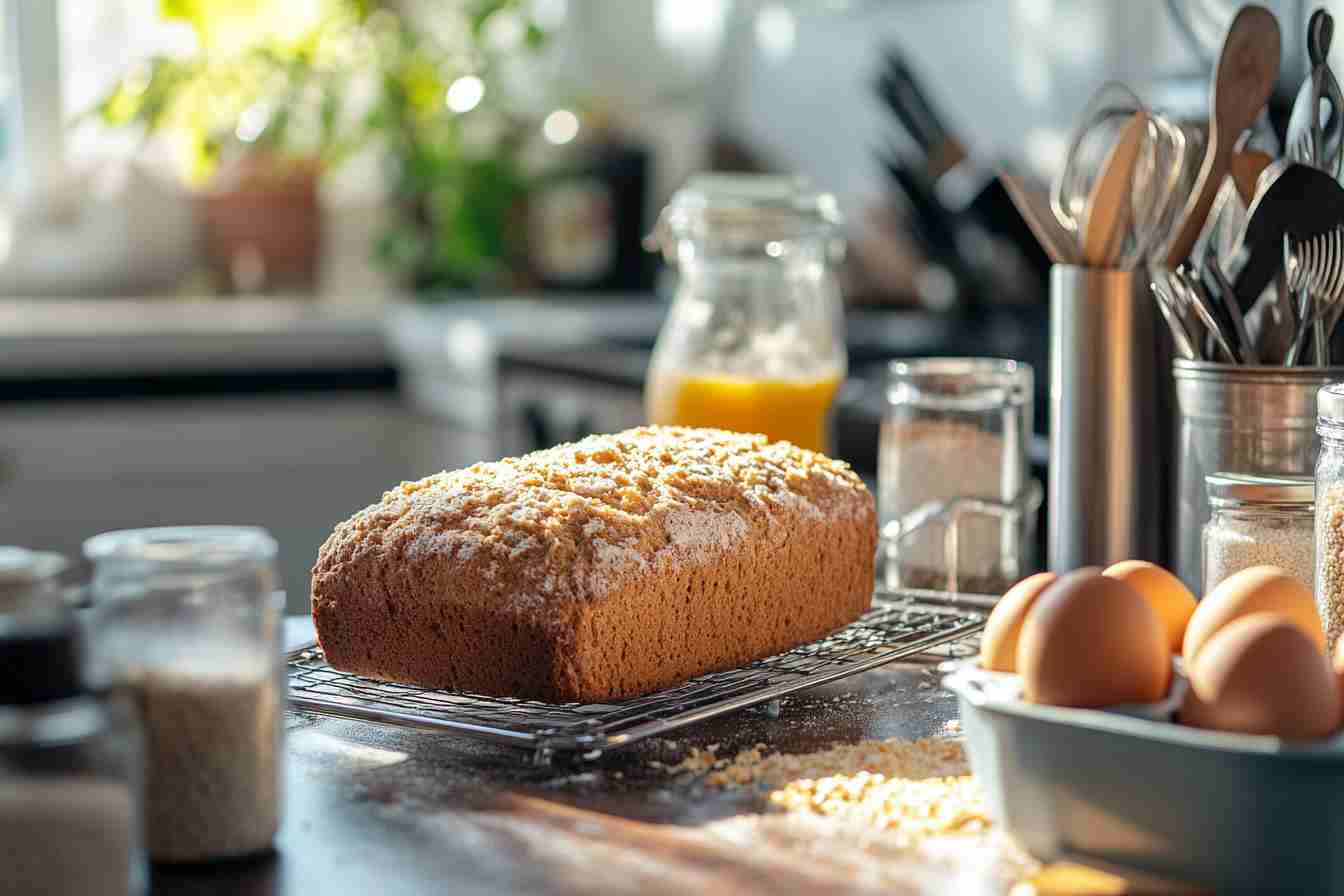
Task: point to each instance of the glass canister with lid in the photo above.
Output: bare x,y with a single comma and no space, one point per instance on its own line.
1259,520
186,623
1330,511
754,340
70,767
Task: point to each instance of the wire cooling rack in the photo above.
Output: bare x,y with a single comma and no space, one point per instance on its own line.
898,625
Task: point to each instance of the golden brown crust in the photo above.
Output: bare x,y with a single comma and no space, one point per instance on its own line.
606,568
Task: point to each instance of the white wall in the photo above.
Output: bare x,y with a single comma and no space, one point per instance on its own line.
1009,75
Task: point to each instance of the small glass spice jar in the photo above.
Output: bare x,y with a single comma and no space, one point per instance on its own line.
70,768
28,579
1259,521
1330,511
186,622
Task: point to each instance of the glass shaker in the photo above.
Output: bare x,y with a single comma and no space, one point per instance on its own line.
70,768
1257,521
754,340
955,499
187,622
1330,512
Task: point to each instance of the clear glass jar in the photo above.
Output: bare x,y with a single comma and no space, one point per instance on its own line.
1330,511
70,769
28,579
754,340
1259,521
955,498
187,622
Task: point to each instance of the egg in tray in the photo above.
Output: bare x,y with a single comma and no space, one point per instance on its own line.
1111,718
1249,658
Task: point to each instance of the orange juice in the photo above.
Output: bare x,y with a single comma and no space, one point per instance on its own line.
791,410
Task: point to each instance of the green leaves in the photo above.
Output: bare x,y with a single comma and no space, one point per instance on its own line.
278,73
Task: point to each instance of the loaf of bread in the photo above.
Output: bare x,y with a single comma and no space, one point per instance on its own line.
607,568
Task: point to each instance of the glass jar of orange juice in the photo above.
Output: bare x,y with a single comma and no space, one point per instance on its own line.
754,340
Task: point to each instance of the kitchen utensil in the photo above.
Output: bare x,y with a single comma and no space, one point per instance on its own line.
1309,140
1107,113
1294,200
1242,82
1106,218
1167,305
1316,269
1306,315
1193,295
1106,421
1137,792
1034,206
901,91
1168,166
1227,296
1247,166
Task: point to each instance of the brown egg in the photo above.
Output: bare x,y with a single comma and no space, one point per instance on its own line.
1167,595
1262,674
1093,641
1256,590
998,643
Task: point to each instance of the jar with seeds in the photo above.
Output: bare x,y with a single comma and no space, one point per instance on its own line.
1259,521
1330,511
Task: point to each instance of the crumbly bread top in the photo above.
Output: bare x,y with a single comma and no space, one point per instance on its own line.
576,519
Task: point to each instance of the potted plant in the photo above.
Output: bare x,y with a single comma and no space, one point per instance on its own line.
267,104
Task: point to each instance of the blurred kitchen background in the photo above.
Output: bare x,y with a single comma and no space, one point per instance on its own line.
262,259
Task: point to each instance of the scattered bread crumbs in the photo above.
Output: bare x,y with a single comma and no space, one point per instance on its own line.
911,788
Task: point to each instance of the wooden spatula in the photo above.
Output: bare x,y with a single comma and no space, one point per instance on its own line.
1247,67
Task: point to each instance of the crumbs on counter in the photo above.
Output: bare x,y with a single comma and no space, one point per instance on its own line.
911,788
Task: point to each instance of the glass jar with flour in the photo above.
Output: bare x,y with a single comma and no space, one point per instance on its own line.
186,622
956,501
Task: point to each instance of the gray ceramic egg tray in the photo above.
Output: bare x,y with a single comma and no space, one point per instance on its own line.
1238,813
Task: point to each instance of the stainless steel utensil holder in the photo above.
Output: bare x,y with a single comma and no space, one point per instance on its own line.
1237,419
1109,409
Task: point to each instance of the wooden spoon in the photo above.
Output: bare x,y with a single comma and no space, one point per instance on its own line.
1106,214
1247,166
1247,67
1034,207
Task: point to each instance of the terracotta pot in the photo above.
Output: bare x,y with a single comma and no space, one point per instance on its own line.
261,224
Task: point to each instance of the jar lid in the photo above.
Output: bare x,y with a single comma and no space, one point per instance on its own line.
1330,403
744,209
41,656
20,566
1246,488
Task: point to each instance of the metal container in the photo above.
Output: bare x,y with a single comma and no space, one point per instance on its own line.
1237,419
1238,813
1109,413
